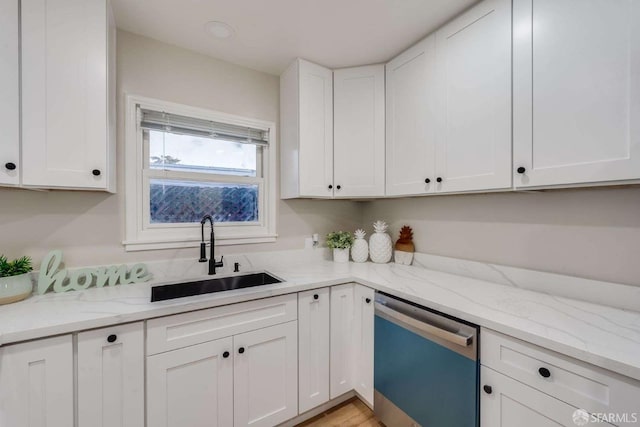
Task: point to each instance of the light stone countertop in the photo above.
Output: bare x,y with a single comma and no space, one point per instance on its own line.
604,336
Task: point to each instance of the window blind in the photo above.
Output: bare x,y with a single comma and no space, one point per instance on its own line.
167,122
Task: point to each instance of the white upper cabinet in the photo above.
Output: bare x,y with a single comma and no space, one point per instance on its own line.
411,120
576,75
306,103
111,376
359,122
67,94
473,149
9,93
36,383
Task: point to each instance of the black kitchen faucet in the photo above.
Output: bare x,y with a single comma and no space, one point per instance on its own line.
213,264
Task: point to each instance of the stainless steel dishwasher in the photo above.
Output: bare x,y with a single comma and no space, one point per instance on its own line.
425,366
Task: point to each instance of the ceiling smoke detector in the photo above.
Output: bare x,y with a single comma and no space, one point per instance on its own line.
219,30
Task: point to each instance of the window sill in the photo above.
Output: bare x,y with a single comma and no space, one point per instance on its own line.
149,245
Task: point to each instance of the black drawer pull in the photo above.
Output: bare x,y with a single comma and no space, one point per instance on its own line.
544,372
112,338
10,166
241,350
225,354
487,389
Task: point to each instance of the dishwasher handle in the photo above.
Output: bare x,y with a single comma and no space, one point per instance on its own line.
452,337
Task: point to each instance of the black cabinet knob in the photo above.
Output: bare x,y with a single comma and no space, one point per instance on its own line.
487,389
241,350
367,300
521,170
225,354
544,372
427,180
112,338
316,296
439,179
338,187
330,186
96,172
10,166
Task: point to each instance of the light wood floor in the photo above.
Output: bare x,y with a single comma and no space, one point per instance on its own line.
352,413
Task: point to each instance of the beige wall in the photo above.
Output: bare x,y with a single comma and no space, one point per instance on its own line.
591,233
89,226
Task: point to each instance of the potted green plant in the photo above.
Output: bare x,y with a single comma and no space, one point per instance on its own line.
340,242
15,280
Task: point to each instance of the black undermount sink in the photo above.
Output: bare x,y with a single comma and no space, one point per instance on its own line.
208,286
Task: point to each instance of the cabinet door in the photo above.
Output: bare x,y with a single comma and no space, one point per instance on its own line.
313,348
359,131
474,99
36,383
266,376
192,386
342,305
316,130
111,377
363,342
9,93
411,121
576,105
512,403
64,93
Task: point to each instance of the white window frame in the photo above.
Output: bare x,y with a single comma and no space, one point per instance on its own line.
140,235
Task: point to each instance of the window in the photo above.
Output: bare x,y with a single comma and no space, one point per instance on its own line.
183,163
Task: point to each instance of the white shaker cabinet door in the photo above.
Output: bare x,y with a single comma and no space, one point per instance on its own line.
411,120
342,311
316,130
313,348
474,99
363,342
65,93
9,93
111,377
359,149
576,91
266,376
36,383
192,386
505,402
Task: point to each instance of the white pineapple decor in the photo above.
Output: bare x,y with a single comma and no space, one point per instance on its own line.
380,246
360,248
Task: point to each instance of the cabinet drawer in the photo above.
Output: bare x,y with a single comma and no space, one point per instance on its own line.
577,383
181,330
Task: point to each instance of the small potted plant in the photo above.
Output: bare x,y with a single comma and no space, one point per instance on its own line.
15,280
340,242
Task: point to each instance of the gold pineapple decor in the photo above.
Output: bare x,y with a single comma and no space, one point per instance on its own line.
404,247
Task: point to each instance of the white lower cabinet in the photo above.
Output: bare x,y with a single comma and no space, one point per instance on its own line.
266,376
313,348
192,386
111,376
341,375
363,342
36,383
506,402
352,315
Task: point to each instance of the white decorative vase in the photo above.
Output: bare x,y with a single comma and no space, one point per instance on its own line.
341,255
15,288
380,246
360,248
402,257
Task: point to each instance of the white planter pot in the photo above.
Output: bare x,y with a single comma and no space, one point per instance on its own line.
341,255
15,288
404,258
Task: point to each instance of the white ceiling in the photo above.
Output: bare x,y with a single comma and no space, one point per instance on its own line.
271,33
